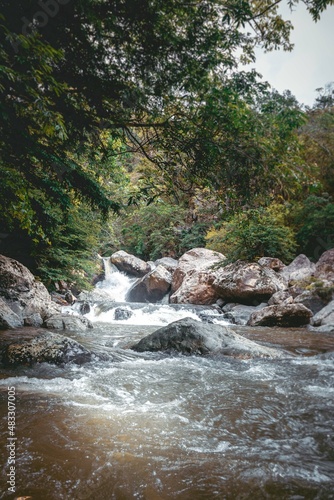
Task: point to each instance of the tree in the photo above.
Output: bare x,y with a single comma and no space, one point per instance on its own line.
70,70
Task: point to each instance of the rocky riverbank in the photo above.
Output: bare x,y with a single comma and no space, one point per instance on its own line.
263,293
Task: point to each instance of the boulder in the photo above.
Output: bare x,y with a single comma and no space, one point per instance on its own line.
152,287
168,262
240,314
8,319
192,262
271,262
193,277
188,336
246,283
22,293
46,347
122,313
300,268
34,319
93,296
68,322
130,264
327,329
312,299
325,316
286,315
279,297
324,268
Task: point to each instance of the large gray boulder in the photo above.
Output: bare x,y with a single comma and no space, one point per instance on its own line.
193,277
152,287
325,316
8,319
130,264
325,266
246,283
313,299
271,262
240,314
22,293
68,322
46,348
189,336
168,262
286,315
301,268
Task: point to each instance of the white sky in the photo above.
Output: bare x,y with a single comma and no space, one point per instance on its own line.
311,63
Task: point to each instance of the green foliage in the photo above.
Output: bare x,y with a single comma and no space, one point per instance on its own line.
315,226
98,78
159,230
252,234
71,252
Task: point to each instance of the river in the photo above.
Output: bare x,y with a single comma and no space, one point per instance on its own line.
155,427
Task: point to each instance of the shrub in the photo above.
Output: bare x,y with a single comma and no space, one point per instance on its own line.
315,222
254,233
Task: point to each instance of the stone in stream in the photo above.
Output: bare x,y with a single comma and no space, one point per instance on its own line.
130,264
286,315
47,347
325,266
301,268
152,287
25,296
189,336
68,322
122,313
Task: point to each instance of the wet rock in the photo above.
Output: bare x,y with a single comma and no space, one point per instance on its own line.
168,262
130,264
300,268
325,266
193,277
279,297
322,329
312,300
34,319
93,296
8,319
286,315
152,287
246,282
46,348
188,336
122,313
240,314
272,263
21,292
69,297
84,308
68,322
325,316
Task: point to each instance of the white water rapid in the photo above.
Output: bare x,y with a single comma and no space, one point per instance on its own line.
152,426
113,307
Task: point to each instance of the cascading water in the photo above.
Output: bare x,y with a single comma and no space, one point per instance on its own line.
156,427
116,285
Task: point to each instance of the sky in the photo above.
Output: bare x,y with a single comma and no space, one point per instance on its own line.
311,63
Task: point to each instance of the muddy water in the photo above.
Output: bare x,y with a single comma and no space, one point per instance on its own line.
156,427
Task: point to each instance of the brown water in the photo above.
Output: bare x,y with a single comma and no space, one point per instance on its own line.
155,427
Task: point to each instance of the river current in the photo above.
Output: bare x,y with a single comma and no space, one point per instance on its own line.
157,427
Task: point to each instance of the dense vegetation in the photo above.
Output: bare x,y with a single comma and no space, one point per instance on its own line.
134,128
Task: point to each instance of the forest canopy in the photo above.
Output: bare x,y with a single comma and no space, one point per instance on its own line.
107,106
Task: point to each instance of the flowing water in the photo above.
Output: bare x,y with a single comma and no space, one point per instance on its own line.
151,426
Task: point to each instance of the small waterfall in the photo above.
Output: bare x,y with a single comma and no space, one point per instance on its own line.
115,283
109,267
111,306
